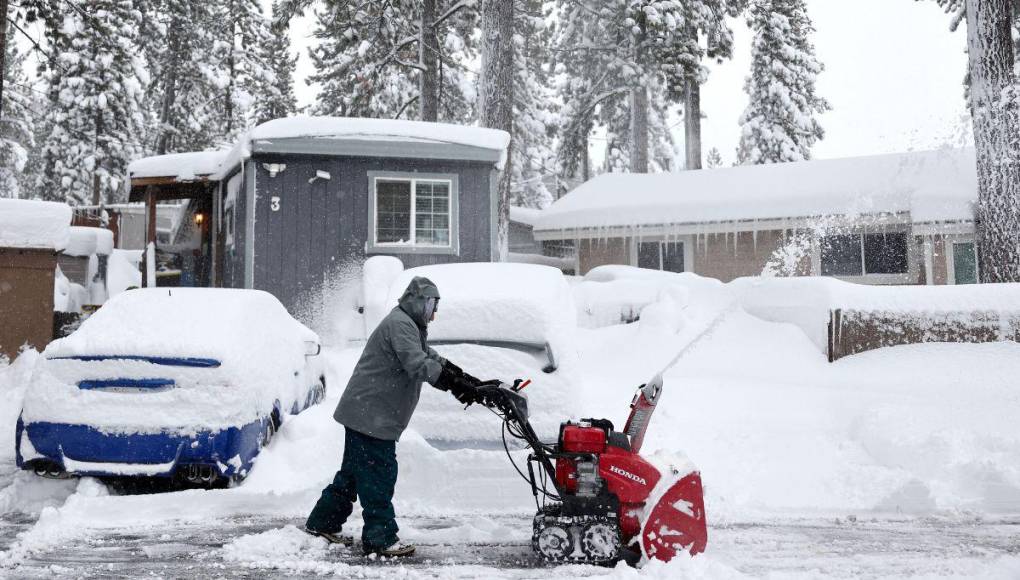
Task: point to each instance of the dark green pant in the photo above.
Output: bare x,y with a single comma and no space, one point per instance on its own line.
368,473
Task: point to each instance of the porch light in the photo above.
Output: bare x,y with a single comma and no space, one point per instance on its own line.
199,218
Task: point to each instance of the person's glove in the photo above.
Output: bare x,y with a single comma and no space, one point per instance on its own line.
464,391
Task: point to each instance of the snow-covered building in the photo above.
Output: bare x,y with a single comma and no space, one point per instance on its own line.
296,198
904,218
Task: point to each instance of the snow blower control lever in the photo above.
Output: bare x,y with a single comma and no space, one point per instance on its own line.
598,500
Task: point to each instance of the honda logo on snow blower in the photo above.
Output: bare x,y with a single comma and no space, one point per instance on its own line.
628,475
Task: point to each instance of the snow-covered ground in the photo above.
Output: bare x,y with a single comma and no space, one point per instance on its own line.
897,463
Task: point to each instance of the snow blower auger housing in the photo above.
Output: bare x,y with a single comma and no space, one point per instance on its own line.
598,500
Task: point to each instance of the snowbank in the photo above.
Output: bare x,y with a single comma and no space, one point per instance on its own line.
122,271
936,185
27,223
806,301
180,166
87,241
259,347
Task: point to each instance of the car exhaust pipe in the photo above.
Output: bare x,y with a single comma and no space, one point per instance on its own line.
200,474
49,470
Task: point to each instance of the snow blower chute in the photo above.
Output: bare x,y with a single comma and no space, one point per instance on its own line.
598,500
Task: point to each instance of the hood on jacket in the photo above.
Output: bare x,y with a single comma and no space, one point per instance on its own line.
413,300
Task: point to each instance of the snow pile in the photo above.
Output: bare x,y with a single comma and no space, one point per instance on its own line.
122,271
260,348
180,166
26,223
88,241
14,378
519,303
807,301
617,294
936,185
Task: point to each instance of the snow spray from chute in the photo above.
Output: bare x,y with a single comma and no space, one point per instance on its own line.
673,516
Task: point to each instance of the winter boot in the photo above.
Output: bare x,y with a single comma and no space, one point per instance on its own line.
397,550
332,538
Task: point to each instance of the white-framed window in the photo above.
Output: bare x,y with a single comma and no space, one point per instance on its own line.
411,212
865,254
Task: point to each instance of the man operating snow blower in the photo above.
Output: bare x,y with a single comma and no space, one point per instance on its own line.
374,410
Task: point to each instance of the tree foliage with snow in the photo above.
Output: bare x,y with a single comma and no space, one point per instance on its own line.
274,97
714,159
617,55
16,122
242,34
533,157
780,123
369,60
96,85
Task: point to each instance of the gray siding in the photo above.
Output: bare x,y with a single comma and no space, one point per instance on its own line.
323,225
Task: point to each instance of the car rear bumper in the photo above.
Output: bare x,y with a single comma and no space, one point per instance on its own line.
85,450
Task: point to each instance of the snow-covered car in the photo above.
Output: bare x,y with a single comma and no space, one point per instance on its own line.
184,383
498,321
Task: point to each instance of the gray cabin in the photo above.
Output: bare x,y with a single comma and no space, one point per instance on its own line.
299,198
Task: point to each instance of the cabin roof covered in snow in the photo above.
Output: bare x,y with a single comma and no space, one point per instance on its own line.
525,215
933,186
29,223
370,138
178,166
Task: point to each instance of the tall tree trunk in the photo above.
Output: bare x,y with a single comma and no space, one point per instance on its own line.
163,144
497,99
428,48
3,51
996,137
692,123
639,129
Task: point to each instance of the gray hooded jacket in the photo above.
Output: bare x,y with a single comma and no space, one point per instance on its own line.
384,389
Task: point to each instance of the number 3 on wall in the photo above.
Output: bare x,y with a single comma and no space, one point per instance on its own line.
274,203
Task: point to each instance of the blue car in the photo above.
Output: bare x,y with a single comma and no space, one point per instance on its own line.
182,383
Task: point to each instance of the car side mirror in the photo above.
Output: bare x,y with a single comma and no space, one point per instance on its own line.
312,348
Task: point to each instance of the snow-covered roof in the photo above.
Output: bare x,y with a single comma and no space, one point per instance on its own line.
180,166
938,185
29,223
372,135
524,215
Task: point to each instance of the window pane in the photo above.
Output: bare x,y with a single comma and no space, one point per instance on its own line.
885,253
432,213
393,211
841,255
648,255
965,263
673,256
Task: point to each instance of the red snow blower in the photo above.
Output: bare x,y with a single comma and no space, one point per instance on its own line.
598,500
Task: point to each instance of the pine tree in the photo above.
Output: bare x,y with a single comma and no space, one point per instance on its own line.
242,33
780,122
635,51
496,98
533,155
97,84
369,62
714,159
16,121
182,98
274,97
